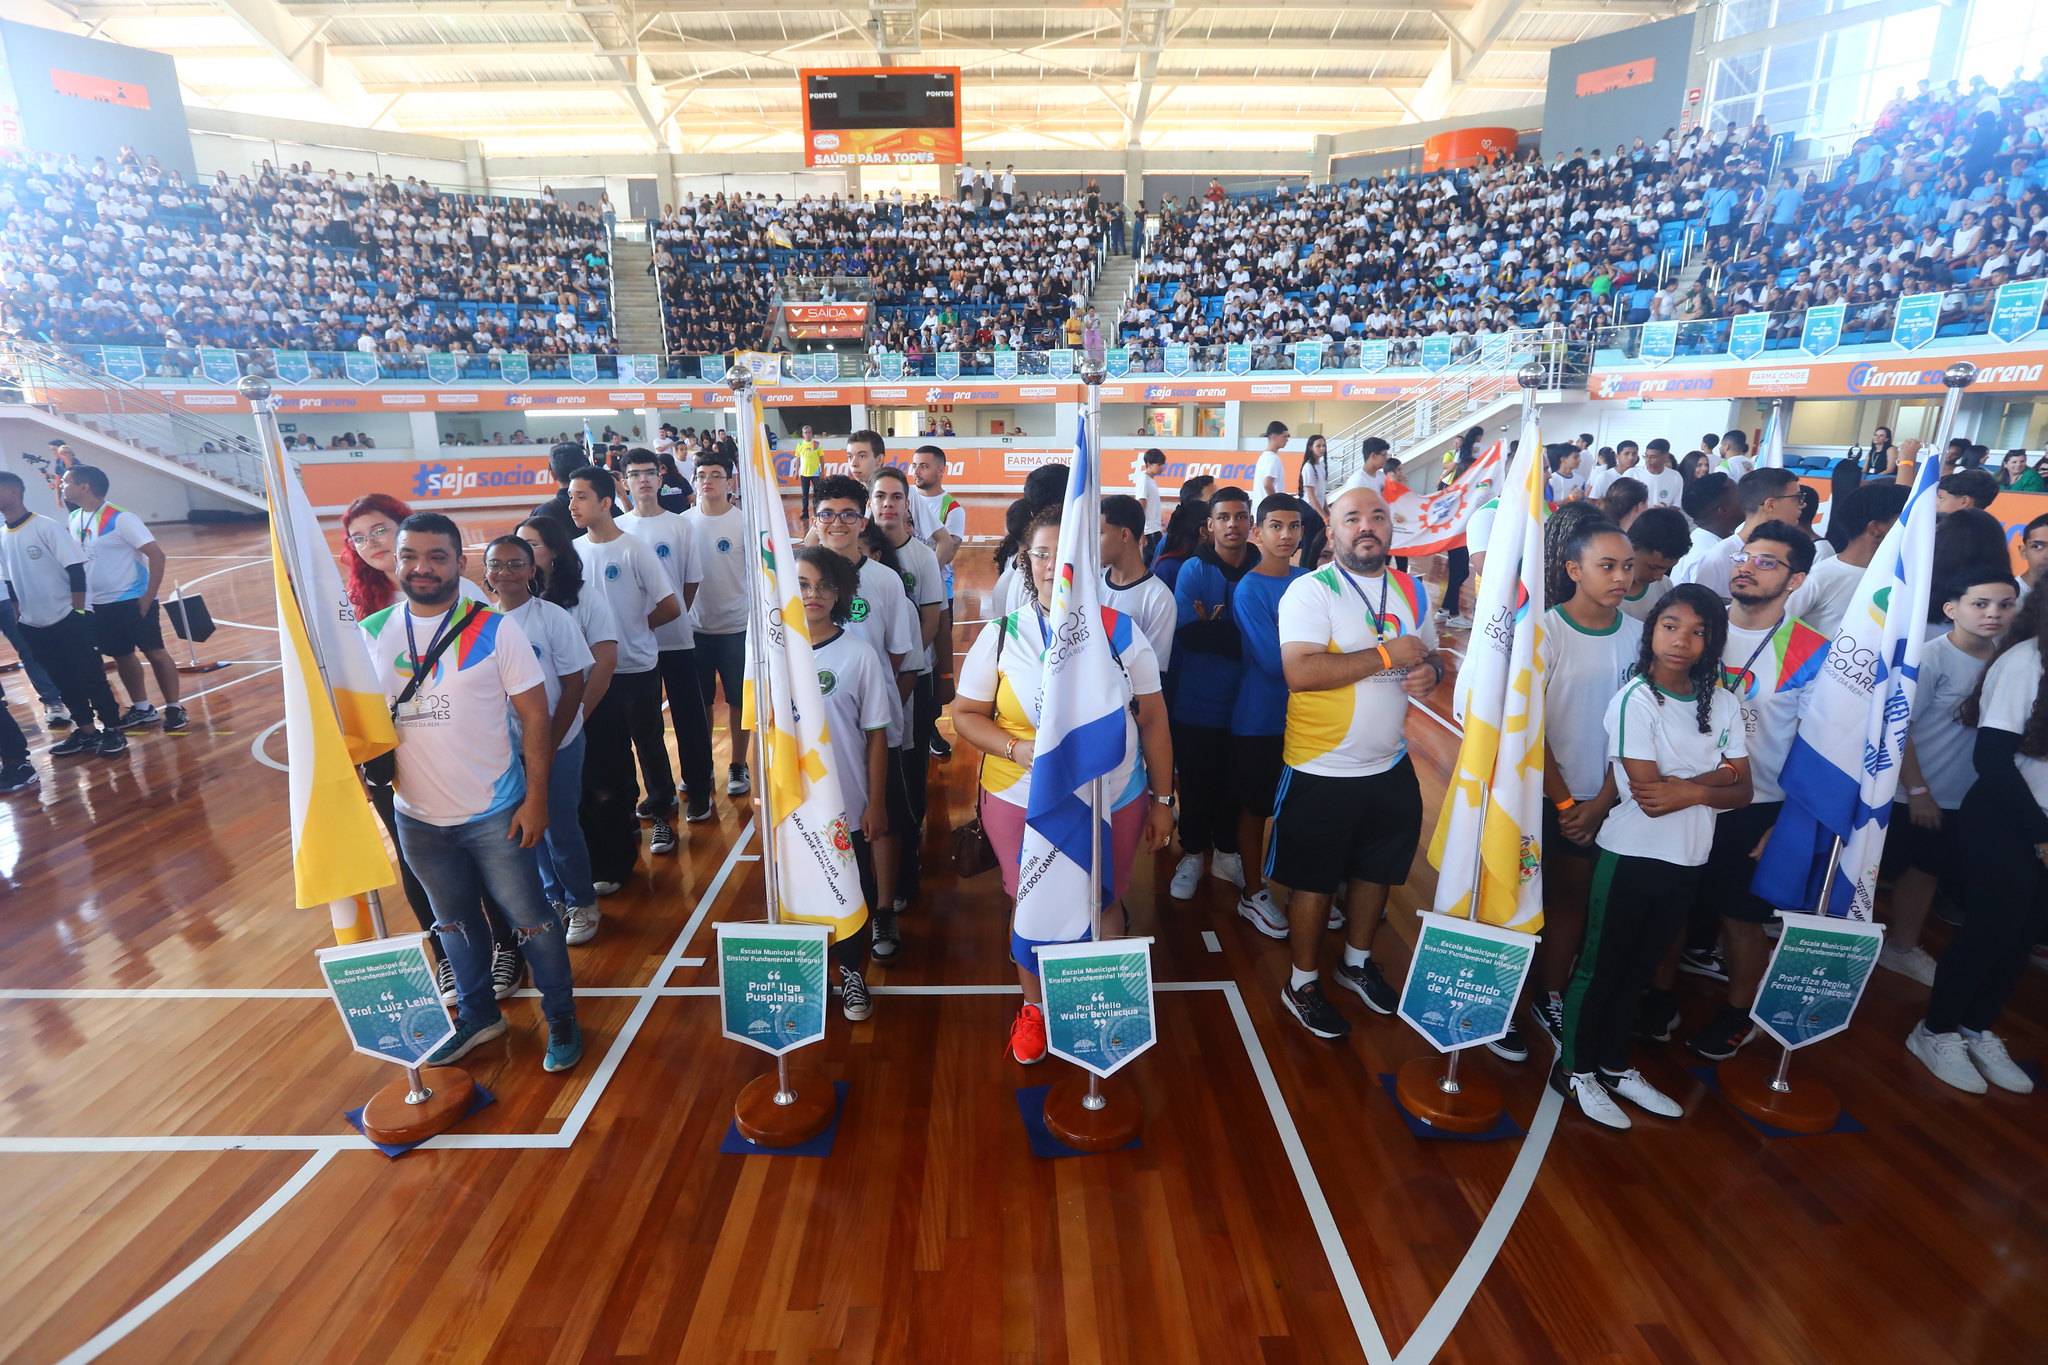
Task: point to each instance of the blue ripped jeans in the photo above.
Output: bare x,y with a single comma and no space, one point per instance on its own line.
457,864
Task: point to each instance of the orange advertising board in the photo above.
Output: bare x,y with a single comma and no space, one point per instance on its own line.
99,89
1621,76
1793,375
825,321
881,116
1466,147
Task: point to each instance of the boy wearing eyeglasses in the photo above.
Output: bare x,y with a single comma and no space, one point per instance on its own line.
1771,659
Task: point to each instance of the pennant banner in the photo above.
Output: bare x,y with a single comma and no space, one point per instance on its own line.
514,367
946,365
1747,333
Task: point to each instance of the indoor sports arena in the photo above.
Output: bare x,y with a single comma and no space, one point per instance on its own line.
1096,681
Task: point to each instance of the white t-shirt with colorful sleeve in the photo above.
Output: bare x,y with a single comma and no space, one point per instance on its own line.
113,537
1361,728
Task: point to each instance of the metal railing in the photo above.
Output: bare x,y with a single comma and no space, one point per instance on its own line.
133,415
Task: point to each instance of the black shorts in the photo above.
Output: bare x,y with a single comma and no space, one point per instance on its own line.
121,628
722,658
1255,766
1933,851
1555,845
1333,829
1724,881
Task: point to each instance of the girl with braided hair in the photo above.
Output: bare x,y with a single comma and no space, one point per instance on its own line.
2004,854
1677,756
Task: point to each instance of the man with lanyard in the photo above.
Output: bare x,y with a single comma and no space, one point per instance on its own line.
1208,658
1770,660
889,504
720,611
124,571
941,522
625,572
1356,642
471,809
45,571
669,536
810,463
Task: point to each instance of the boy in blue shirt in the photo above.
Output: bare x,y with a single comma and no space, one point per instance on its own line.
1258,718
1208,660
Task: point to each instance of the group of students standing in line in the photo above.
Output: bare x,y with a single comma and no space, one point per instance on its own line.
1681,644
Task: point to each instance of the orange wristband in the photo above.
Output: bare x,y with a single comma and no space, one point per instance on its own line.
1386,659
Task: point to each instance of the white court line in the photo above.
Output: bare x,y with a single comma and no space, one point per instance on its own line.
1334,1251
142,1312
191,697
1443,1315
242,625
216,573
1211,942
256,750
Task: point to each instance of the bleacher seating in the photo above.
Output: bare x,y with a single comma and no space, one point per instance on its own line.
131,254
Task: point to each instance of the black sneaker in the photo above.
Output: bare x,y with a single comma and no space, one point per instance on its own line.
1365,982
1548,1012
697,815
1510,1047
650,808
175,720
135,717
886,939
1703,962
19,778
1657,1016
444,982
1724,1037
941,749
737,780
507,968
1309,1005
79,741
663,839
113,744
854,1001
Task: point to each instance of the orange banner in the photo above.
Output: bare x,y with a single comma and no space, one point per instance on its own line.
1619,77
825,321
1798,376
99,89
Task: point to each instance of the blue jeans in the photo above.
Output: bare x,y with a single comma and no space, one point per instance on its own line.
564,856
458,864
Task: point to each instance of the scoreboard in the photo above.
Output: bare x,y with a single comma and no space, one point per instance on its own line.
882,116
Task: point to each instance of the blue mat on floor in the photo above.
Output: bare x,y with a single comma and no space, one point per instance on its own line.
478,1098
821,1145
1031,1107
1505,1128
1843,1122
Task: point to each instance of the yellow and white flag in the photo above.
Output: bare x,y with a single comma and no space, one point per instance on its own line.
816,878
337,844
1488,844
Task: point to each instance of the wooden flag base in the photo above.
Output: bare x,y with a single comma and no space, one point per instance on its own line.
1068,1117
765,1123
388,1119
1804,1106
1473,1108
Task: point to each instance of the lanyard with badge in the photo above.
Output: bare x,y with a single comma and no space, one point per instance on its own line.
1738,681
405,707
1379,616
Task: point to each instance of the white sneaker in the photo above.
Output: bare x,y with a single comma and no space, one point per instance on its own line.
1996,1065
1914,962
1228,867
1336,920
1634,1087
1262,914
605,888
582,924
1596,1104
1187,875
1946,1055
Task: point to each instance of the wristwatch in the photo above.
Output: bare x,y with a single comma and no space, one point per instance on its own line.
1165,800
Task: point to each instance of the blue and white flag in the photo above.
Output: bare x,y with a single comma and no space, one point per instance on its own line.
1082,724
1843,770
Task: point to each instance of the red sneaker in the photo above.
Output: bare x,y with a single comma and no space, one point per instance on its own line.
1027,1035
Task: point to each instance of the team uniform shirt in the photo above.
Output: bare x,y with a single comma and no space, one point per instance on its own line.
630,580
1315,484
1645,722
1360,729
1667,487
1603,479
2008,700
810,458
1269,466
721,552
931,513
1582,670
558,647
1704,543
1735,466
1261,706
113,537
34,557
1768,671
1823,599
456,758
675,545
1638,605
919,566
1015,683
1714,568
1944,745
1150,603
880,617
1208,657
1562,486
1148,493
860,698
1376,481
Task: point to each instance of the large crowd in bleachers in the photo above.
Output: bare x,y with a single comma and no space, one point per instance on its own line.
941,274
131,253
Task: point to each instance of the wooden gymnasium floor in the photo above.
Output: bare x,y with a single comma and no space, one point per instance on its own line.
179,1184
